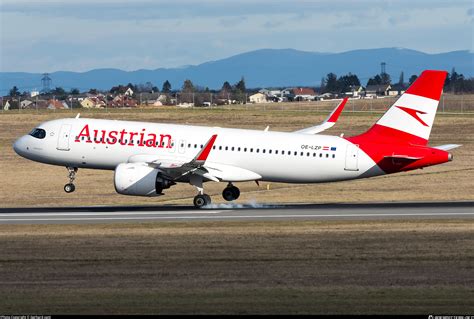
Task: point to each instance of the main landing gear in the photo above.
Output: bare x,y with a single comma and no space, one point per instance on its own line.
201,199
230,193
69,187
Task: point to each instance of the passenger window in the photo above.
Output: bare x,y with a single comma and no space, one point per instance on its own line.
307,154
245,149
238,149
232,149
251,150
220,148
195,146
333,155
296,153
327,155
320,154
258,150
226,148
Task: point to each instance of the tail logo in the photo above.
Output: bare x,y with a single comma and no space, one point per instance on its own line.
413,113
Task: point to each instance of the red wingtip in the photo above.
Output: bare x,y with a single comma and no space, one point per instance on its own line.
335,114
429,84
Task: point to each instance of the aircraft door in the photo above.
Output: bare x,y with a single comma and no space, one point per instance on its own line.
63,137
352,157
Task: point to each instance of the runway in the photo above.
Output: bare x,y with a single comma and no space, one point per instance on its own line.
235,212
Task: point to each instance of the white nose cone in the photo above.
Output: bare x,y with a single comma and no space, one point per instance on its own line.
20,146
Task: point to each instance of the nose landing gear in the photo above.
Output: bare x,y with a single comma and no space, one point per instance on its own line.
69,188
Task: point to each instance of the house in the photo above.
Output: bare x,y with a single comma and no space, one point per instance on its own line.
57,105
41,104
286,92
355,91
377,90
258,98
271,93
303,94
122,101
24,104
396,89
87,103
326,96
93,102
128,92
7,106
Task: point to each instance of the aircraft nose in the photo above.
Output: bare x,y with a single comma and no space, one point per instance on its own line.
20,146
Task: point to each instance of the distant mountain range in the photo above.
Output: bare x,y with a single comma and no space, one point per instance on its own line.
260,68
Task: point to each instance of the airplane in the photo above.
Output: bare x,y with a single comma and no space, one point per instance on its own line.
150,157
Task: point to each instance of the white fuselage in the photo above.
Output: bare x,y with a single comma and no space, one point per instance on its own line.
275,156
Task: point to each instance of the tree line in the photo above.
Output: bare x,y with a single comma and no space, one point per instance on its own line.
455,82
331,83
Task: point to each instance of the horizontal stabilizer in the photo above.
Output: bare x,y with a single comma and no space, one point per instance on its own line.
403,157
328,123
447,147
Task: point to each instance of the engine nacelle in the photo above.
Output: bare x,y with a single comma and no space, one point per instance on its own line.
140,179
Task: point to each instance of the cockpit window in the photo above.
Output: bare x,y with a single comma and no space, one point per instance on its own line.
38,133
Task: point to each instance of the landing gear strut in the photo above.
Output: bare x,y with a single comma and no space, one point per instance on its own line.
69,188
231,192
201,199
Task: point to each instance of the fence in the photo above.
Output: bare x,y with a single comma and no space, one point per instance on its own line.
449,103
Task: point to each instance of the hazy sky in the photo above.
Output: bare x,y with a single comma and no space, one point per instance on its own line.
79,35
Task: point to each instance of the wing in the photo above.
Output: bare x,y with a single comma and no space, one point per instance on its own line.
329,122
176,167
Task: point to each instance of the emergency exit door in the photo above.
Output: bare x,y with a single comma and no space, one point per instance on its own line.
352,157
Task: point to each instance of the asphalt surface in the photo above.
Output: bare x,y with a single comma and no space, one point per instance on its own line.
234,212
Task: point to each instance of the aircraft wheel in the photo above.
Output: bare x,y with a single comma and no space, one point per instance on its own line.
69,188
236,192
201,200
230,193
